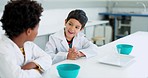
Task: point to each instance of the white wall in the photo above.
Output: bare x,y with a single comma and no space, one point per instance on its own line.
53,19
1,31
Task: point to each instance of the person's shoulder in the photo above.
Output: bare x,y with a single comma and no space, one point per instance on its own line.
1,38
80,34
4,40
5,45
59,34
29,43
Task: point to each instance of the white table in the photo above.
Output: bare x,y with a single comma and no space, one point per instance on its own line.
91,68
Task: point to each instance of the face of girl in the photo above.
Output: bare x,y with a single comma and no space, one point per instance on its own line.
73,27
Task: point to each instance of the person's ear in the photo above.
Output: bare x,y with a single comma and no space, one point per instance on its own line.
81,29
29,31
65,22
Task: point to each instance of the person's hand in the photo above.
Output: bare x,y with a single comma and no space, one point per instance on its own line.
80,54
30,65
72,54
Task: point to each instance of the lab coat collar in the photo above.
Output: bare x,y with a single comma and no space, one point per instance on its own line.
61,35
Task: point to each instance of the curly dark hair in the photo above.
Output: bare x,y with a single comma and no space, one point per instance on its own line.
19,15
79,15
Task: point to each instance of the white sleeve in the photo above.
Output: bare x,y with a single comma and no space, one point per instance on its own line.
41,58
88,48
60,56
10,69
51,49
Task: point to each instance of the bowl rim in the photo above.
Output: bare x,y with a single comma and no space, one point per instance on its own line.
68,64
124,44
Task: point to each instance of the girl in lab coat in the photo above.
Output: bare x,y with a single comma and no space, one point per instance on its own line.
19,56
70,42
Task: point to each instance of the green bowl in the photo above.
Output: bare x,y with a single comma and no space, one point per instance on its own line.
68,70
124,48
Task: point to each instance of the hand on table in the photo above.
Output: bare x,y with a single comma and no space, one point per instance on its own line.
73,54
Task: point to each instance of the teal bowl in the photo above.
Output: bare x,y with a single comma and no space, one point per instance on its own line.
68,70
124,48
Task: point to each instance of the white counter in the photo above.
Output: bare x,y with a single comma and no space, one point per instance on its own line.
95,22
44,30
91,68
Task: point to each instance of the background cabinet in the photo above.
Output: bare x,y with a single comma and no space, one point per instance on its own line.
139,24
123,26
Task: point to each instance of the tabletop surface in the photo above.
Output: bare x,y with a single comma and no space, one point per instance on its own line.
91,68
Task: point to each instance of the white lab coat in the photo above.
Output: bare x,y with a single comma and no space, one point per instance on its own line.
11,59
58,47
